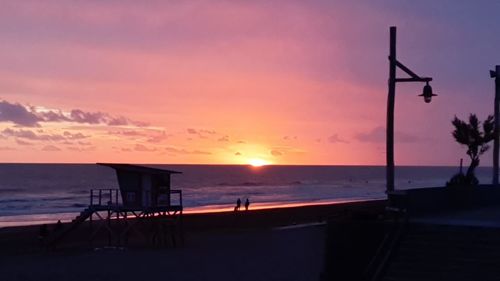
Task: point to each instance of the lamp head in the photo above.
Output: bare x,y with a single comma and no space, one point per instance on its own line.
427,93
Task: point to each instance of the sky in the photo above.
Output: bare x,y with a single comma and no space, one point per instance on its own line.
238,82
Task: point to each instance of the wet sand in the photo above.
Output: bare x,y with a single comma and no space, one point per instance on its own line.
251,245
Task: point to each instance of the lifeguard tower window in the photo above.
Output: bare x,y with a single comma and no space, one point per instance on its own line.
131,198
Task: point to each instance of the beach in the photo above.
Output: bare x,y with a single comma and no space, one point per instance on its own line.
270,244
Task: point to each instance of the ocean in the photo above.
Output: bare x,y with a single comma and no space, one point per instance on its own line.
40,193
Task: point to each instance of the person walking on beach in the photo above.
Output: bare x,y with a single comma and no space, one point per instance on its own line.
247,204
59,226
238,205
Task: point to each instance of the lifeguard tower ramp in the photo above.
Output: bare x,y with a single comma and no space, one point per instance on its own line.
144,194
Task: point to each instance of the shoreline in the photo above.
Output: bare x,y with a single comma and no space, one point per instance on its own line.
51,218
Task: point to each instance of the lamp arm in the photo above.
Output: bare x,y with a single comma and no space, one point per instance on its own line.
413,75
420,79
407,70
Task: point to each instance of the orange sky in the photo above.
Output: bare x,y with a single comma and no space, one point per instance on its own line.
225,82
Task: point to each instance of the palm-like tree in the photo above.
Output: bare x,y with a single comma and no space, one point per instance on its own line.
476,141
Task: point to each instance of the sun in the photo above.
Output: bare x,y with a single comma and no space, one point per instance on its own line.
258,162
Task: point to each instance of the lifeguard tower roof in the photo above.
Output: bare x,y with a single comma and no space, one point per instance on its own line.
139,169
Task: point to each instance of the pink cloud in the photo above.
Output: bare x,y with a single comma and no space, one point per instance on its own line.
51,148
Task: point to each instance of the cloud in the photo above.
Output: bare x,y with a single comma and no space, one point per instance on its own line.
51,116
30,135
84,143
21,142
210,132
202,133
224,139
119,121
128,133
375,135
17,114
51,148
407,138
81,116
22,135
159,138
31,116
276,153
6,148
131,133
185,151
147,135
85,117
143,148
74,136
81,149
282,150
237,154
378,135
289,138
200,152
336,139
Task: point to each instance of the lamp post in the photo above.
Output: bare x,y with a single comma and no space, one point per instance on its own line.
496,74
426,94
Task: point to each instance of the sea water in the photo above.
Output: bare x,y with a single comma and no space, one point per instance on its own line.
36,193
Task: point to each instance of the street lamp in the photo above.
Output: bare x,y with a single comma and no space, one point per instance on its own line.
427,94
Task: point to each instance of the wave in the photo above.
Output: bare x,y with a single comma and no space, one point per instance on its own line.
33,199
12,190
258,183
78,205
87,192
247,183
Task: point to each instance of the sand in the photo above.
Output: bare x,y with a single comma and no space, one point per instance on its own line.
255,245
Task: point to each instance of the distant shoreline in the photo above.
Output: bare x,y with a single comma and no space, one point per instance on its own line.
247,165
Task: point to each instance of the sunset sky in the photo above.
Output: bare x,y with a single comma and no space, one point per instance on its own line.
230,82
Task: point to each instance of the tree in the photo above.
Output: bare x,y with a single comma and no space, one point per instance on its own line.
476,141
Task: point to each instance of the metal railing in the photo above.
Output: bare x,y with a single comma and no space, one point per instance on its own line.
179,197
107,195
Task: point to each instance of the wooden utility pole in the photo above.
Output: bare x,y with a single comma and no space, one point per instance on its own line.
390,112
496,74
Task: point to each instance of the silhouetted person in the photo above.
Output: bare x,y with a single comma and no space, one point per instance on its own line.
59,226
247,204
238,205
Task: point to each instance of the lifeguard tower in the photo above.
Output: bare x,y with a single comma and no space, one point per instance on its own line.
145,188
144,194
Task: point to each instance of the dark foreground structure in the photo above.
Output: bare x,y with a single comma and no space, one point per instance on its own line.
145,195
425,234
